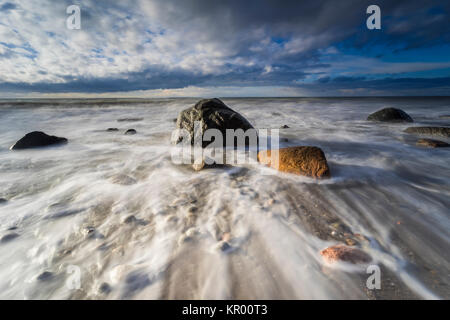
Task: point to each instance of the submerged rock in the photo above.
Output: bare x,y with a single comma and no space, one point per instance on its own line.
112,129
306,161
431,131
285,126
130,132
432,143
390,115
130,119
8,237
2,200
37,139
44,276
213,114
344,253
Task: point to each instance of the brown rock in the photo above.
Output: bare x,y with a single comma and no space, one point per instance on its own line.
432,143
306,161
344,253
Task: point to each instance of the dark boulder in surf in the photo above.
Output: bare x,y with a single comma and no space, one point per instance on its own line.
430,131
390,115
37,139
213,114
432,143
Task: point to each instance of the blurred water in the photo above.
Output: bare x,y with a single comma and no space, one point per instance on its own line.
72,205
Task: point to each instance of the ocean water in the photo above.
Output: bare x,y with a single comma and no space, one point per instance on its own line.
109,216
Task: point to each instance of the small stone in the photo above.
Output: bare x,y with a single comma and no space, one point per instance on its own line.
112,129
223,246
130,219
9,237
344,253
432,143
198,166
285,126
350,242
104,288
44,276
3,200
130,119
130,132
226,237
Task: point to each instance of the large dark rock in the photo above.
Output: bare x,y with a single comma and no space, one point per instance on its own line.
432,143
37,139
390,115
213,114
431,131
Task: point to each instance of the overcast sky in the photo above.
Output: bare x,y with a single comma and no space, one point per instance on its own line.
158,48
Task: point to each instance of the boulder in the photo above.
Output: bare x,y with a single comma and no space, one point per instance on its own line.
306,161
431,131
432,143
344,253
37,139
213,114
390,115
130,132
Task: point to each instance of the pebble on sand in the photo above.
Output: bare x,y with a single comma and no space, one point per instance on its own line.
344,253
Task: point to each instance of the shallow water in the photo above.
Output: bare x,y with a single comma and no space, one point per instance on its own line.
137,226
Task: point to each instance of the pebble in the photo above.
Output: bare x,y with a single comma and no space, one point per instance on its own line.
9,237
104,288
130,219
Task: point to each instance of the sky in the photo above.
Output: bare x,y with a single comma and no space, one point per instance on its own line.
224,48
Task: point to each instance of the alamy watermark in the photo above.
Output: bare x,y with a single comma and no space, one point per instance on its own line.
73,21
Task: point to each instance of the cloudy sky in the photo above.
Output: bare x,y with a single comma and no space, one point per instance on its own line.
164,48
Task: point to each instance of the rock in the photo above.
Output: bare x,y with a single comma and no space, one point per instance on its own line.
344,253
104,288
130,132
37,139
44,276
130,219
130,119
444,116
307,161
432,143
431,131
284,127
8,237
213,114
390,115
112,129
3,200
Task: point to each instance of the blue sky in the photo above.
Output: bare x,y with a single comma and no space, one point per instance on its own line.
169,48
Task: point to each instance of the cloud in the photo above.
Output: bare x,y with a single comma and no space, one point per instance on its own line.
135,45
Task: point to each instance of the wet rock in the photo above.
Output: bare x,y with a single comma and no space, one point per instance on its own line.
112,129
3,200
130,119
44,276
104,288
224,246
130,219
346,254
8,237
130,132
444,116
432,143
285,126
306,161
37,139
123,179
213,114
431,131
390,115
